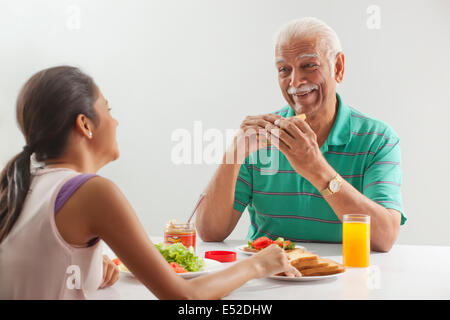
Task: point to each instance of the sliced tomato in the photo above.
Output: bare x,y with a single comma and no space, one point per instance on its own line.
116,261
279,243
261,243
289,245
177,268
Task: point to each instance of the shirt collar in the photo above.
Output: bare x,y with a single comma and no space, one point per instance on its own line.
340,133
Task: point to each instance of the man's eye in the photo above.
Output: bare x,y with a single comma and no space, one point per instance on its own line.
283,70
310,65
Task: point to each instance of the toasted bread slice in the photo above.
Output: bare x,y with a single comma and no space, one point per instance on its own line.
325,272
308,264
301,254
331,261
320,271
300,116
301,259
294,252
331,267
248,249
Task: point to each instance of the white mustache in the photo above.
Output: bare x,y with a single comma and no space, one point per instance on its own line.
303,88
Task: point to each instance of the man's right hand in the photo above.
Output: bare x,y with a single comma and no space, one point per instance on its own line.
216,216
250,136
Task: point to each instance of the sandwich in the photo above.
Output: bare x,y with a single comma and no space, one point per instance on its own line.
310,264
301,116
327,267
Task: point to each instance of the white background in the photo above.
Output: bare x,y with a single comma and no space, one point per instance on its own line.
164,64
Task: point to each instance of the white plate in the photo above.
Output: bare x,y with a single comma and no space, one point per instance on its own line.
241,249
210,265
310,278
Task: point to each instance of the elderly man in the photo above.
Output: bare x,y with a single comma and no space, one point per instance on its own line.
338,161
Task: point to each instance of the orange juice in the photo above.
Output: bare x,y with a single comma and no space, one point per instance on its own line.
356,241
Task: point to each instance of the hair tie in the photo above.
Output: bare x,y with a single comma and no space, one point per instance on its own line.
28,149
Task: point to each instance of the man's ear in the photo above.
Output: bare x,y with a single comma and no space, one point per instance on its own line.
339,67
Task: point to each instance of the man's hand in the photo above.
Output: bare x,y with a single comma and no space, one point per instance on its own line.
216,216
298,142
251,135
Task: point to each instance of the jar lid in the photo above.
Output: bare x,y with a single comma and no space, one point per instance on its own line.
221,256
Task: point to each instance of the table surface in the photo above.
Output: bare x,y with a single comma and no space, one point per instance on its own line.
405,272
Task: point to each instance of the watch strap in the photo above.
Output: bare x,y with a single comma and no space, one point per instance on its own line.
327,191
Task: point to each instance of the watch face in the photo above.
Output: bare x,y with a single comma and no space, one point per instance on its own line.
334,186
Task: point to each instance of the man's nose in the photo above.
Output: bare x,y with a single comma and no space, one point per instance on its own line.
297,79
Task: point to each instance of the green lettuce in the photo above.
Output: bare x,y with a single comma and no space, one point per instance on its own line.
290,246
178,253
286,246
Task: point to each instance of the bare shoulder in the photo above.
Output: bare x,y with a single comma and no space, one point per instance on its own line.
99,189
100,198
99,185
108,214
83,215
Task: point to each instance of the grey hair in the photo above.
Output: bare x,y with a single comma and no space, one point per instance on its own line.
308,27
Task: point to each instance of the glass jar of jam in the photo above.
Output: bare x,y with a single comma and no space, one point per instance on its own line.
180,232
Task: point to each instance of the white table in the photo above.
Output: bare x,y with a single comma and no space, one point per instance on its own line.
406,272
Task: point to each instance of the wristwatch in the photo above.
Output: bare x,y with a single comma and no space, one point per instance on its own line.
333,186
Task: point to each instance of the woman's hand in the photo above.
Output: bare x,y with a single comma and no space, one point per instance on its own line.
110,272
273,260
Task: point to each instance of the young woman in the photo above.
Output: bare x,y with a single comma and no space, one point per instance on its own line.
54,218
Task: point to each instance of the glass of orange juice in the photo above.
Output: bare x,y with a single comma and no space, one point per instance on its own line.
356,240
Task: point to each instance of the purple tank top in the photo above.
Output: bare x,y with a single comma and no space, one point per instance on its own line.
68,189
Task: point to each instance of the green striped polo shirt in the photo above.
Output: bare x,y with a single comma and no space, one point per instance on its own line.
281,203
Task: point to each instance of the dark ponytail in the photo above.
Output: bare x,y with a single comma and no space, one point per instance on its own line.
47,108
14,188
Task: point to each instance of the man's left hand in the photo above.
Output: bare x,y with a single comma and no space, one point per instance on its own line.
298,142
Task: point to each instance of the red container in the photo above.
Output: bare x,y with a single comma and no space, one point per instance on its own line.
221,256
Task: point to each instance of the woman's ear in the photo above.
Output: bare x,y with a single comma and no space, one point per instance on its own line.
84,126
339,67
